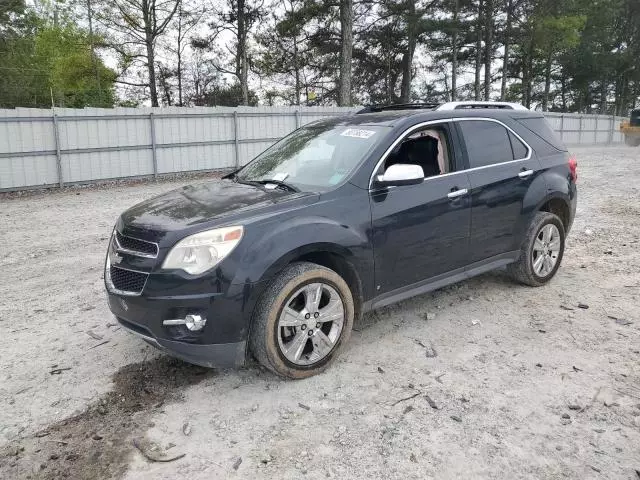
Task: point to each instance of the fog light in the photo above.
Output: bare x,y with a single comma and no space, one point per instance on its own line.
194,322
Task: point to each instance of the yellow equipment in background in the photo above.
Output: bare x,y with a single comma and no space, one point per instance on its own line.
631,129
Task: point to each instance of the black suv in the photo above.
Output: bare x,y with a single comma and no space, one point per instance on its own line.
340,217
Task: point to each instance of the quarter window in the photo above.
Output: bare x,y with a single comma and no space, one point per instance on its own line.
487,143
519,149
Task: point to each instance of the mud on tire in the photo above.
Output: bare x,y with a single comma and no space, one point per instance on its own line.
523,270
263,337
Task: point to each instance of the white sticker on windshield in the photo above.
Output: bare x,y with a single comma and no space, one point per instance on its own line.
357,133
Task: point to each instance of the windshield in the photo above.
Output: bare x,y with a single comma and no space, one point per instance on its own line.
315,157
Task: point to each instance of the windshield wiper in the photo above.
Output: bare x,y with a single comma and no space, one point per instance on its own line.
236,178
279,183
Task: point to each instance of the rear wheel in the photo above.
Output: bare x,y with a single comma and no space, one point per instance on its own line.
302,321
541,252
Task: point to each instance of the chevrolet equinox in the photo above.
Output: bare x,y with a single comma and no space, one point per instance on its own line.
342,216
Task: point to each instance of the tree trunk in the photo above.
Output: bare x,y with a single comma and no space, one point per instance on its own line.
407,57
296,68
488,48
547,83
563,91
241,61
346,41
390,83
478,65
148,40
179,73
445,80
454,51
94,63
603,97
179,55
152,70
622,100
527,66
507,45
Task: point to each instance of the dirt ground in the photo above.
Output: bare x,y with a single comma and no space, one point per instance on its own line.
484,379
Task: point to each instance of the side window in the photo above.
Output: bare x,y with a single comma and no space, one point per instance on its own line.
487,142
428,148
519,149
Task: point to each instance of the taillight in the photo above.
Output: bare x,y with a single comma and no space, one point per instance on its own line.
573,168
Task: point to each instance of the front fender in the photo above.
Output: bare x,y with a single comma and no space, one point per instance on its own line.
292,238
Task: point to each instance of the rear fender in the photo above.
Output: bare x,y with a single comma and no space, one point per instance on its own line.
536,191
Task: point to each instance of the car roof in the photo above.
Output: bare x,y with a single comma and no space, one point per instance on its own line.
392,118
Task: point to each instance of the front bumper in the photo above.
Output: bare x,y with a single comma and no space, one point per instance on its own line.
142,296
221,355
143,317
221,343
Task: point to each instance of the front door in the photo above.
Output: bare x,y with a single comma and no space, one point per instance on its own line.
421,231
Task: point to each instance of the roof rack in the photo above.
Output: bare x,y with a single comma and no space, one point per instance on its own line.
472,104
398,106
469,104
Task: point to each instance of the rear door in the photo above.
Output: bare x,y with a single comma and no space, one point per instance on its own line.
501,168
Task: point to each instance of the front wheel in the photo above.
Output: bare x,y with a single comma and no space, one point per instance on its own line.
541,251
302,321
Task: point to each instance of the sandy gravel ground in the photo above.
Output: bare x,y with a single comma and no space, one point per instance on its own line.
485,379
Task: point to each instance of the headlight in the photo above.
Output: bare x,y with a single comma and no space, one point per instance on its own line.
203,251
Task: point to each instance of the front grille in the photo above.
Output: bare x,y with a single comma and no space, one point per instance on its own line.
127,280
135,246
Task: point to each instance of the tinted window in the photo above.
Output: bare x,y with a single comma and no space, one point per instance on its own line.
542,129
487,142
519,149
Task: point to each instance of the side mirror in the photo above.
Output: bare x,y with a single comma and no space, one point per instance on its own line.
401,174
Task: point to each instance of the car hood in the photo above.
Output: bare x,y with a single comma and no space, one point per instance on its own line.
200,203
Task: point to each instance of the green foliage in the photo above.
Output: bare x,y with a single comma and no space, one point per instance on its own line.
41,62
76,79
563,55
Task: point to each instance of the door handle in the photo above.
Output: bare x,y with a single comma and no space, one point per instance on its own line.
525,173
458,193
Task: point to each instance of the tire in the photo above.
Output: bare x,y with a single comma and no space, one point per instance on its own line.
268,339
524,270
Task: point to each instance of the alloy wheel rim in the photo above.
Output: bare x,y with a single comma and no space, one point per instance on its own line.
546,250
310,324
